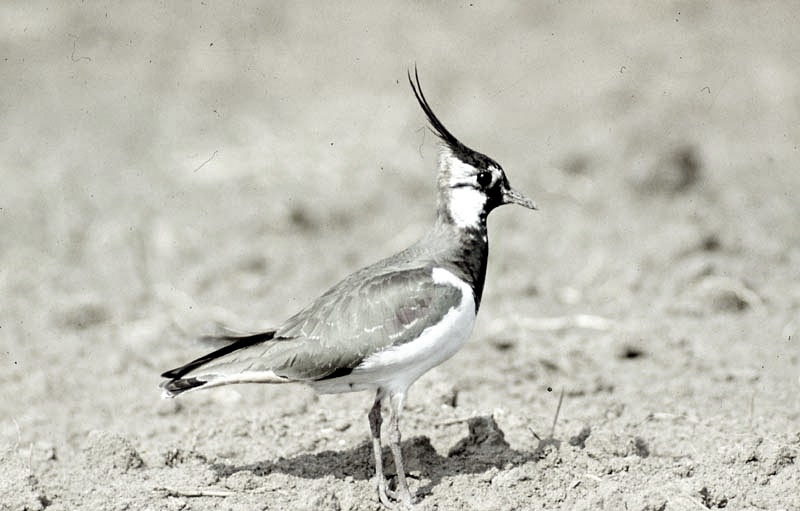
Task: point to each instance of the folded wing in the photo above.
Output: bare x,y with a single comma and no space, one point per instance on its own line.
332,336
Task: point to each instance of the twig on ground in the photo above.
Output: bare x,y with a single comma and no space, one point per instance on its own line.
558,410
195,492
450,422
213,155
555,420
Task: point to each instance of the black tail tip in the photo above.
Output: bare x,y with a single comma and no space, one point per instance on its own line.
172,374
172,388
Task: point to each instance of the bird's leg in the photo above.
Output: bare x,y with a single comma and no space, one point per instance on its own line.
375,421
396,407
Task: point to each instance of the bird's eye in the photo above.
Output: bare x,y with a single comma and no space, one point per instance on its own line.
484,178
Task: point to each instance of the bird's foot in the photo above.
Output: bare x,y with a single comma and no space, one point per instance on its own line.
403,497
395,499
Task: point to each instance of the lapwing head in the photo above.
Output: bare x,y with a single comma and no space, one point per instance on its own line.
470,183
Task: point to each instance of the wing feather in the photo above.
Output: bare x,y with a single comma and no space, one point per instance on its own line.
344,326
333,335
341,329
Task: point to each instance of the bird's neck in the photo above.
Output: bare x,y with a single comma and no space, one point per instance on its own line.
462,250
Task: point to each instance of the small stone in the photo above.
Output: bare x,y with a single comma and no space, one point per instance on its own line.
579,440
639,447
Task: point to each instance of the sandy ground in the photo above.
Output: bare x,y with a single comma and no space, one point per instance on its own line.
168,171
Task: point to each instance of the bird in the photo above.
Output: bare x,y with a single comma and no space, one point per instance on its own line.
385,325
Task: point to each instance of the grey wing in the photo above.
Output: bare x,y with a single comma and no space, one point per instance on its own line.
355,319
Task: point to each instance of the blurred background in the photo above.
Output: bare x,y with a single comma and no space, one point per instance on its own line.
170,168
141,139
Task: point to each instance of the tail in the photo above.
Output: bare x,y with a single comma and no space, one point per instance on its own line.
177,384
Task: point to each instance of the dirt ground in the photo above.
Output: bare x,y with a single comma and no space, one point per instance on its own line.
170,170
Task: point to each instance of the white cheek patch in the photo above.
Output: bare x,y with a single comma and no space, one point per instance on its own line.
465,201
466,206
460,171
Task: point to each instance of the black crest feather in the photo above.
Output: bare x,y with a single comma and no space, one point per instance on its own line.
464,153
438,128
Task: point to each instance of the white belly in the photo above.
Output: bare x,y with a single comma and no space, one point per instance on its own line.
396,368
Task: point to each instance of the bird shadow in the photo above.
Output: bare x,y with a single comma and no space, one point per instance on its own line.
483,448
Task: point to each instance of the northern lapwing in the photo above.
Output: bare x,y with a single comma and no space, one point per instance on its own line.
385,325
